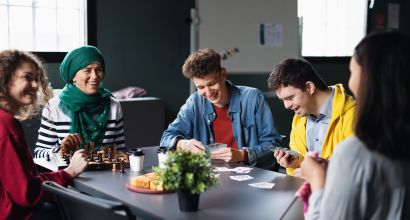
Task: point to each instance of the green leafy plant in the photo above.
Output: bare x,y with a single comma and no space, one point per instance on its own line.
187,171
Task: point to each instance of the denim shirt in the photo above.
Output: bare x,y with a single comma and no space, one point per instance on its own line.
252,122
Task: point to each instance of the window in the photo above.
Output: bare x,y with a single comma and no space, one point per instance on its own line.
43,25
331,27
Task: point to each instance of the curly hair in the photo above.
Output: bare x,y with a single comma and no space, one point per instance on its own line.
295,72
200,63
10,60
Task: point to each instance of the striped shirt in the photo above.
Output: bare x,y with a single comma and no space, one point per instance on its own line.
55,126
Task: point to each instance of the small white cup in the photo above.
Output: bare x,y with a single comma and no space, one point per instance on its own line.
162,156
137,160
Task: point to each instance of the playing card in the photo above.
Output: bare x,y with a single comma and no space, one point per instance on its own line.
242,170
214,147
262,185
241,177
222,169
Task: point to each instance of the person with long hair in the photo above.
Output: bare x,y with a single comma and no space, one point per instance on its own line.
22,82
367,176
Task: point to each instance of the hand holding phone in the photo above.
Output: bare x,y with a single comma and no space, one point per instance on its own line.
285,157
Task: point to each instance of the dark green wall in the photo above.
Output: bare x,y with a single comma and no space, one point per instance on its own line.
146,42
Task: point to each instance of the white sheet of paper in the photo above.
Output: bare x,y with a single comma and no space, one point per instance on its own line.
241,177
262,185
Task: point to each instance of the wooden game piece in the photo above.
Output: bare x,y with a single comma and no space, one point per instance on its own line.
114,167
86,150
100,157
117,159
104,151
92,156
92,151
110,155
92,146
127,158
122,166
115,149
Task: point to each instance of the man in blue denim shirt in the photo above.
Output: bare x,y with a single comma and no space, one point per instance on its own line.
220,112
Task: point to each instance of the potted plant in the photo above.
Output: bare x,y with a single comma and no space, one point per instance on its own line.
189,174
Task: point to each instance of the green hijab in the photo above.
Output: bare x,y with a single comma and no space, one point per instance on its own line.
89,113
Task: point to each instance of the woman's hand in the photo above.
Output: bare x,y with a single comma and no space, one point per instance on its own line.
72,141
313,171
78,163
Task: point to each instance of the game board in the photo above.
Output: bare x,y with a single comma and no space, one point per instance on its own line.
107,157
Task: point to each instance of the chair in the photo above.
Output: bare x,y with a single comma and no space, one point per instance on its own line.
75,205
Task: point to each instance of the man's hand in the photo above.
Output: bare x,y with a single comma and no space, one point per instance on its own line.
285,159
192,145
229,155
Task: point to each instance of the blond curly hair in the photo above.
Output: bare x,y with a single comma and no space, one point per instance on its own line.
10,60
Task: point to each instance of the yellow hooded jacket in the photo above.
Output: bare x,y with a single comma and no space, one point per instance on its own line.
340,126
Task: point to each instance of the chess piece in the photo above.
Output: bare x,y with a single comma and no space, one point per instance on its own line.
100,157
92,156
114,167
86,150
122,166
92,146
48,157
110,155
92,151
115,150
117,159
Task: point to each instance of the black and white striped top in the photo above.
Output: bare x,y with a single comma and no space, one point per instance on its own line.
55,126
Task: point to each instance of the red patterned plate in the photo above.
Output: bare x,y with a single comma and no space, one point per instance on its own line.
148,191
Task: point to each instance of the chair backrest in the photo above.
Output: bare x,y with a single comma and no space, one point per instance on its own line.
75,205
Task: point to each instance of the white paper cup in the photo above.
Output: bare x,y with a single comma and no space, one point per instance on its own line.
137,160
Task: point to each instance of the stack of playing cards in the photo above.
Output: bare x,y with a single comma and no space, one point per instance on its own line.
215,147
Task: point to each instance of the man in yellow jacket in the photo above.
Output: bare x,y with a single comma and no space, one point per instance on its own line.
323,114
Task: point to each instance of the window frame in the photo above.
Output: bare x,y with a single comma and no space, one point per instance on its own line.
57,57
337,59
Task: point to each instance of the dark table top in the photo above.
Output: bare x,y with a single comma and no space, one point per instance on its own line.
230,200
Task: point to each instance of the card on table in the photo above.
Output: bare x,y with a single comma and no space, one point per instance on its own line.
241,177
262,185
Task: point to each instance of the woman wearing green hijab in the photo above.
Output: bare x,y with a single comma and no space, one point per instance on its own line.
85,111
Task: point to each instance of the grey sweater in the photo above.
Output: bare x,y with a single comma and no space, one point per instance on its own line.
362,184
